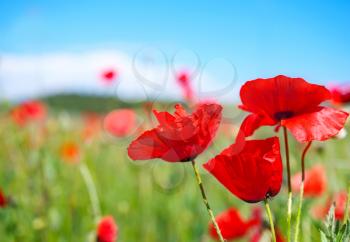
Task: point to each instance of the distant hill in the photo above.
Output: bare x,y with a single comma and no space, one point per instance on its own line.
91,103
77,103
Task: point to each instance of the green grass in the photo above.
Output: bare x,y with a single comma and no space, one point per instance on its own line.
151,201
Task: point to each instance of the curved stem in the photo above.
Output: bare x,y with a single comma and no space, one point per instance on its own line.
90,185
306,149
290,195
297,225
205,200
269,215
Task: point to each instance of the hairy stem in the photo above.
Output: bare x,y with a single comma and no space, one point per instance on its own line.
269,215
205,200
297,225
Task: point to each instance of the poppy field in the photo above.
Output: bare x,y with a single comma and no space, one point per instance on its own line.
180,171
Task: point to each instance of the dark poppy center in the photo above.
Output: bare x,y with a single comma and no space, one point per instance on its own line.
283,115
188,159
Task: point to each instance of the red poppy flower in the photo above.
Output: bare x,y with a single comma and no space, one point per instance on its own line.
3,200
120,122
340,94
184,80
259,234
109,76
254,173
178,137
28,111
339,199
107,230
292,103
340,205
70,152
260,226
315,183
231,225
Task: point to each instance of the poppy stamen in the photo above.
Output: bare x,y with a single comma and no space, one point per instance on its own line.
283,115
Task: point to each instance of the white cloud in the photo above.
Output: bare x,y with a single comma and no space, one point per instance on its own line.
29,76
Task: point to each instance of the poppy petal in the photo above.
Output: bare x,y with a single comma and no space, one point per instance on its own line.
231,225
341,94
253,174
107,230
163,118
180,111
254,121
147,146
281,94
180,137
321,124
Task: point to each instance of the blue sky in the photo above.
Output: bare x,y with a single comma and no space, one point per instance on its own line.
310,39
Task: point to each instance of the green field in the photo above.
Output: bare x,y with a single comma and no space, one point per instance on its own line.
150,200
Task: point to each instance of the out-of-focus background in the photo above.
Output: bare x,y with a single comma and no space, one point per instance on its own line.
65,65
48,48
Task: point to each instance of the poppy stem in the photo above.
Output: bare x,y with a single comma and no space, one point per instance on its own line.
297,225
269,215
289,217
205,200
91,188
289,211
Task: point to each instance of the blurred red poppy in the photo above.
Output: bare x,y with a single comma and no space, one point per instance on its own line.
28,111
260,226
315,183
253,174
259,234
340,199
231,225
292,103
340,94
3,200
179,137
340,204
92,126
109,76
184,80
107,230
70,152
279,236
120,122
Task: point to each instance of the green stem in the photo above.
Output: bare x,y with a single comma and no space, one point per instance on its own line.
90,185
205,200
289,217
297,225
269,214
290,195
